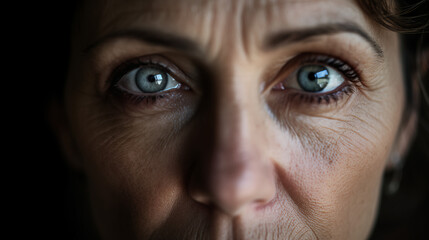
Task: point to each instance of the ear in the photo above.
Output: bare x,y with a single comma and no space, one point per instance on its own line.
59,123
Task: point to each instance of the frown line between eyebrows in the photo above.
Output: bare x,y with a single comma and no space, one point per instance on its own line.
290,36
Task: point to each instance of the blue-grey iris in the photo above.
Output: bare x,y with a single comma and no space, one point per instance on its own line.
151,80
313,78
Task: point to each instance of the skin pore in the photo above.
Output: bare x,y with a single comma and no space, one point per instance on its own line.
237,149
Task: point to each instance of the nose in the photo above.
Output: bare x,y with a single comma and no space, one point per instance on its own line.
233,170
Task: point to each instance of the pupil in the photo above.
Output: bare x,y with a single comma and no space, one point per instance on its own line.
311,76
151,78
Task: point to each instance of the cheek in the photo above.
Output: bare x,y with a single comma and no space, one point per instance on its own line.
134,169
341,162
141,183
335,187
333,167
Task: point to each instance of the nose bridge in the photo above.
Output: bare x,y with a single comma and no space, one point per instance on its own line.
237,116
234,153
235,107
236,172
233,123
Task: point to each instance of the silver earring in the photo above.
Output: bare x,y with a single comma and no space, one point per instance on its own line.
395,182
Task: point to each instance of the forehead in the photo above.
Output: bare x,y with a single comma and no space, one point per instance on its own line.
101,17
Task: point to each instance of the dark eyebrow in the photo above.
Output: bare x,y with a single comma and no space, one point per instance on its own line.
151,36
285,37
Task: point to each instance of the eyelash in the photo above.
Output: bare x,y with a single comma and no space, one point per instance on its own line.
140,99
351,80
326,98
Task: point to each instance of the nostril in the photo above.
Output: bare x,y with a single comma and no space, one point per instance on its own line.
200,197
198,192
233,179
232,191
263,203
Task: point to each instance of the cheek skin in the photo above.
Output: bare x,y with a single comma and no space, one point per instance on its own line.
342,158
135,171
132,162
126,172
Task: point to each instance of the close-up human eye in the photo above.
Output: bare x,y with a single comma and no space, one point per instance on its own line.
147,79
315,78
318,79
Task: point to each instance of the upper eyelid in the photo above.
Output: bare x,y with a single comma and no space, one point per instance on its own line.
331,61
337,63
155,60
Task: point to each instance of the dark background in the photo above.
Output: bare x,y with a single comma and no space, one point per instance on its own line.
39,199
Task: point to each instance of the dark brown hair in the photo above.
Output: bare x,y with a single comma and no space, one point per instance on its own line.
400,16
410,18
403,215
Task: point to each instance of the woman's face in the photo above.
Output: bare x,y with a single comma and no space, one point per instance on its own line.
232,119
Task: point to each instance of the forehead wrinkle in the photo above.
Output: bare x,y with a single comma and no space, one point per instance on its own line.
109,15
202,15
222,27
159,8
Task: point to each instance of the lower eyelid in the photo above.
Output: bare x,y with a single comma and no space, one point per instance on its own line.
345,90
166,101
305,103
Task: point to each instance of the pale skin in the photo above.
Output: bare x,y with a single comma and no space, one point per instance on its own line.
235,152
